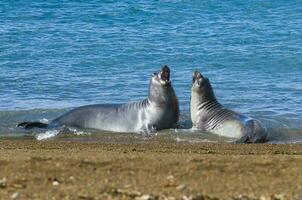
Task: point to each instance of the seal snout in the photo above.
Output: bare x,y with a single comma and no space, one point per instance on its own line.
165,73
196,76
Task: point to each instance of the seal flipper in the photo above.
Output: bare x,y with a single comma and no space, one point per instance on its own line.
254,133
245,139
29,125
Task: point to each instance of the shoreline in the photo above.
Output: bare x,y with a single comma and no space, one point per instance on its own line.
58,169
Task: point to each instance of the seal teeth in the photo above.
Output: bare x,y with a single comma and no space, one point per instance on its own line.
165,73
165,76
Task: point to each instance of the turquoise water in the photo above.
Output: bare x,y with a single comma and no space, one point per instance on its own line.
57,55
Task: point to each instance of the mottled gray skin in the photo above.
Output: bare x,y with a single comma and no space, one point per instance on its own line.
207,114
159,111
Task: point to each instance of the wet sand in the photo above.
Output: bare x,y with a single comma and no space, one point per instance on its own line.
150,169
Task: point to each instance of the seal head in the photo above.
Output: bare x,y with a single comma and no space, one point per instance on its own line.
202,87
160,88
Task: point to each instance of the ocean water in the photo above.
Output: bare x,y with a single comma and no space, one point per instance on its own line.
57,55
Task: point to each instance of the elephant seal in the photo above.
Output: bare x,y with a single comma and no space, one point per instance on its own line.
207,114
159,111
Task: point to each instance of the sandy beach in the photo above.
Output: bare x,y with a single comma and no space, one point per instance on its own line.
111,106
59,169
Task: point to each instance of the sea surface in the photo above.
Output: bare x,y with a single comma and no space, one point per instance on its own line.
57,55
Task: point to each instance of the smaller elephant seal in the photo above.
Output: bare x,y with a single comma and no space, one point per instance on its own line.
207,114
159,111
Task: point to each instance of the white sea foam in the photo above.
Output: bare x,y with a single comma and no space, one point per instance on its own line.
47,134
65,130
75,131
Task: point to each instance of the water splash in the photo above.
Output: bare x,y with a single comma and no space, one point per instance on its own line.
47,135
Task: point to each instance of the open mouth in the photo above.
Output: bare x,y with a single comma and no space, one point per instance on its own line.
165,74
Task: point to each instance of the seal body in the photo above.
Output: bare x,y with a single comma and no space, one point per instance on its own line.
207,114
160,110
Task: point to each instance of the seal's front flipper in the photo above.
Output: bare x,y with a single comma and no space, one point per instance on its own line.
147,130
254,133
245,139
29,125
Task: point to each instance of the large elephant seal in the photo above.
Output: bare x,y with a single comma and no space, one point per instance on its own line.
159,111
209,115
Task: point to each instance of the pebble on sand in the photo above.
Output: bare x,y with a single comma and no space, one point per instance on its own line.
3,183
55,183
15,195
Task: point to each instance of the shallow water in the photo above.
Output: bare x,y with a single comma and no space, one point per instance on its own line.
57,55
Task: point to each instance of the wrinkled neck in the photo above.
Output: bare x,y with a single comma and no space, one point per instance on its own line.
205,95
158,94
201,100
